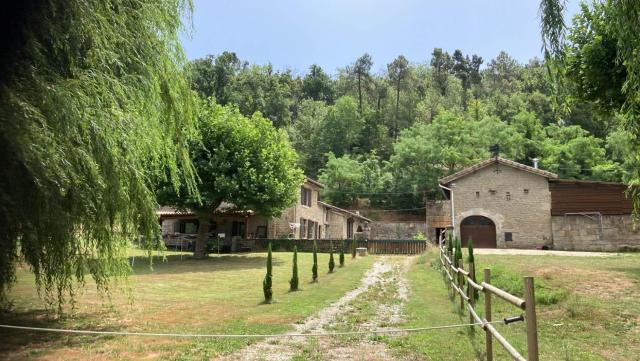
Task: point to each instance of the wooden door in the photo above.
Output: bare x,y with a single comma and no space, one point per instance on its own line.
479,229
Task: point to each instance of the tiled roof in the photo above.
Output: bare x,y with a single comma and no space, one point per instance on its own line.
345,211
474,168
223,208
314,182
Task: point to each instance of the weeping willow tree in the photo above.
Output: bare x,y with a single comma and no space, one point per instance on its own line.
94,111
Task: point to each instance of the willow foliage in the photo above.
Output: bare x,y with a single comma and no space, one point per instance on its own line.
94,110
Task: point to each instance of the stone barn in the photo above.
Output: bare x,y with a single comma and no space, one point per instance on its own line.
499,203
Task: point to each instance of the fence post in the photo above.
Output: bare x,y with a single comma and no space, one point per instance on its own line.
461,286
471,291
532,324
487,315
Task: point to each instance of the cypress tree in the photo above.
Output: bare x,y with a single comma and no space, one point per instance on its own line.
314,268
458,253
450,241
332,263
353,248
267,283
294,277
341,257
472,263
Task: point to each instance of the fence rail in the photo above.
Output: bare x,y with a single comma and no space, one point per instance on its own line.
374,246
457,277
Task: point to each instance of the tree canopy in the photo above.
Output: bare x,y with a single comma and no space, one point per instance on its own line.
94,111
240,160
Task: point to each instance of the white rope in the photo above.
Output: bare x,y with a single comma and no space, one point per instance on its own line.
319,334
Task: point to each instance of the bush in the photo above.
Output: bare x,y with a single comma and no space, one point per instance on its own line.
419,237
294,273
267,283
332,263
341,257
314,268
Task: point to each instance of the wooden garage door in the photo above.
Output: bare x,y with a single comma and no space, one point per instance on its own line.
480,229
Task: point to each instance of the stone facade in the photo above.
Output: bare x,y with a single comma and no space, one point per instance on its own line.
594,233
516,201
397,230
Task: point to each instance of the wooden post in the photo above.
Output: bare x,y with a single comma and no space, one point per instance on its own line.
471,292
532,323
461,286
487,315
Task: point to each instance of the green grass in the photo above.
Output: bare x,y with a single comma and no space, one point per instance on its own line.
220,295
588,308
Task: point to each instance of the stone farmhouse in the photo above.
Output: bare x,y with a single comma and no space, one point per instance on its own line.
499,203
308,218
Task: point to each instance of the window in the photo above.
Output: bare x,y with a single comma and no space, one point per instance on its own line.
237,229
508,237
303,228
492,191
261,232
305,196
189,227
508,196
311,229
526,191
477,194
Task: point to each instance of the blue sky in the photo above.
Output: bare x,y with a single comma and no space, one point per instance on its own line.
333,33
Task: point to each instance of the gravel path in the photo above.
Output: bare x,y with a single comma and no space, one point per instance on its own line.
386,275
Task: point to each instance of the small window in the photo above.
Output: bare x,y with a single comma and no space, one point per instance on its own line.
477,194
305,196
508,196
492,191
303,228
508,237
526,191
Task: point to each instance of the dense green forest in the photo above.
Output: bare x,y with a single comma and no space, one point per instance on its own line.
390,134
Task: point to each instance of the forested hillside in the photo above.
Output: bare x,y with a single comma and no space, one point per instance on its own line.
390,133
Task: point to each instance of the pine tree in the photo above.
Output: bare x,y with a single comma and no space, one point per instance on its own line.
294,277
314,268
341,257
267,283
332,263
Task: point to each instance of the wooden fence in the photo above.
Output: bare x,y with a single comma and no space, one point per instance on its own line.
457,277
375,246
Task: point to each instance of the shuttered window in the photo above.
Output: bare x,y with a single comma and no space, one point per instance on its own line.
305,196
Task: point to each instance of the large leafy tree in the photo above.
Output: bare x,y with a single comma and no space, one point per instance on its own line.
244,161
94,110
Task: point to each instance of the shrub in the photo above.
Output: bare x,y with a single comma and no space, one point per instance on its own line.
314,268
332,263
267,283
341,257
294,273
419,237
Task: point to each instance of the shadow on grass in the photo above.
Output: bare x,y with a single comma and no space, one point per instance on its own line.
32,343
633,271
186,263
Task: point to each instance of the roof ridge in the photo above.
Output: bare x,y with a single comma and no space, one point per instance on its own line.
473,168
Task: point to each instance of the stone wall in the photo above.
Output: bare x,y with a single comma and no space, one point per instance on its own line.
516,201
396,230
582,233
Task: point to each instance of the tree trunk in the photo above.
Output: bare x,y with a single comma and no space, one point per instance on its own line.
200,250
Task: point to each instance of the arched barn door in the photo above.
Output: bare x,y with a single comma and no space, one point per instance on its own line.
481,230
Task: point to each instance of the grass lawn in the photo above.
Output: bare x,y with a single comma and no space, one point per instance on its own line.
220,295
588,308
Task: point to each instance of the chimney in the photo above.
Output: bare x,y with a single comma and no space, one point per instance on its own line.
535,163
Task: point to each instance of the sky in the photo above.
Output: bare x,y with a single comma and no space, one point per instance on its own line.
293,34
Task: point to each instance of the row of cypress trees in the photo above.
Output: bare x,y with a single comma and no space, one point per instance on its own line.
267,283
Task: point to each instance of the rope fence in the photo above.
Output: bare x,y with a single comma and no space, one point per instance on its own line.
282,335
